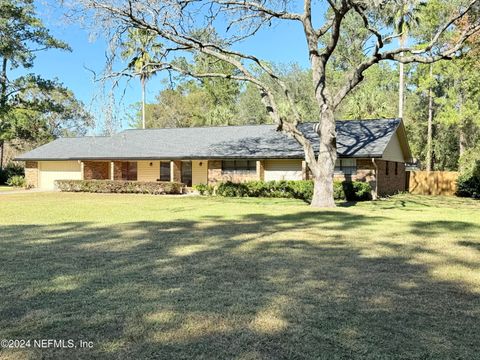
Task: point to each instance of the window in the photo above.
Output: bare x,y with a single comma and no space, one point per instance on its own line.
129,170
239,165
396,168
165,171
387,165
346,166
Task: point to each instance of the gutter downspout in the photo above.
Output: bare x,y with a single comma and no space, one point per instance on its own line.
375,194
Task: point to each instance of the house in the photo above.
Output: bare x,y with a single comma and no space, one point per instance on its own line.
368,150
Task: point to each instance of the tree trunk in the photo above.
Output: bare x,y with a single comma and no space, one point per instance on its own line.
462,143
430,126
3,102
143,81
325,167
3,84
2,144
401,81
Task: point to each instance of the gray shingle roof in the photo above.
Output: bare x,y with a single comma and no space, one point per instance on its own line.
355,138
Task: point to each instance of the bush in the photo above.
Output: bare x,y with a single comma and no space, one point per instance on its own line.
17,181
204,189
468,186
9,171
362,191
338,191
119,186
298,189
468,183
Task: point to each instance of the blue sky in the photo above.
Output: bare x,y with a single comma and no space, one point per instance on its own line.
281,44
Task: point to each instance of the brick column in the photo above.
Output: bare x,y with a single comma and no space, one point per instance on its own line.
31,173
261,169
176,171
117,170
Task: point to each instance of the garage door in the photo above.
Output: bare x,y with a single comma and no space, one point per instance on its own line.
283,170
49,171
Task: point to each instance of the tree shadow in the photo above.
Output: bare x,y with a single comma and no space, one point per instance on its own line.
262,286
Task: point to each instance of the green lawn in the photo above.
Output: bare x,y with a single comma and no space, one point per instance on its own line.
189,277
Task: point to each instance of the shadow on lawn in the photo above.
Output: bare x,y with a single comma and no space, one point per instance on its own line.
228,289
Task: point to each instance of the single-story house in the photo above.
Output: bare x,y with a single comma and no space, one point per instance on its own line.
368,150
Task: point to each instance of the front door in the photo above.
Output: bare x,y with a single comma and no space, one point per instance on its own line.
187,173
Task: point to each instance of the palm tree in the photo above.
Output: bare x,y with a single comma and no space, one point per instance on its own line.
404,16
141,49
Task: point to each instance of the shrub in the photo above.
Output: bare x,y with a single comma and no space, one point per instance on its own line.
362,191
17,181
204,189
468,183
338,191
120,186
9,171
298,189
229,189
468,186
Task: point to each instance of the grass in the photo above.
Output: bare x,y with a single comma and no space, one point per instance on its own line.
187,277
6,188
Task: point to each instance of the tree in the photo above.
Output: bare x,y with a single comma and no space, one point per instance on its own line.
141,49
460,103
404,17
175,22
373,97
22,36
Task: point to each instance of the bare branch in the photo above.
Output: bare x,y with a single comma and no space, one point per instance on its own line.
259,8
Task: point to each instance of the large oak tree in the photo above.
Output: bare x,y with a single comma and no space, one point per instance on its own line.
177,23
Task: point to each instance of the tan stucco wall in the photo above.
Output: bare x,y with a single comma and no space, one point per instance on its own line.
147,172
199,172
49,171
393,151
283,169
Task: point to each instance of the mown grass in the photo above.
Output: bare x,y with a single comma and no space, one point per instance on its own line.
187,277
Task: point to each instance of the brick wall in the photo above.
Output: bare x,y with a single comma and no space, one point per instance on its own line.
117,170
391,183
96,170
177,171
215,173
387,184
31,173
365,172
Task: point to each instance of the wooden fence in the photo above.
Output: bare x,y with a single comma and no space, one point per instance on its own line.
432,182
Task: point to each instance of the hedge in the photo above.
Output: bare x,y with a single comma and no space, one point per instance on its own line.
298,189
120,186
